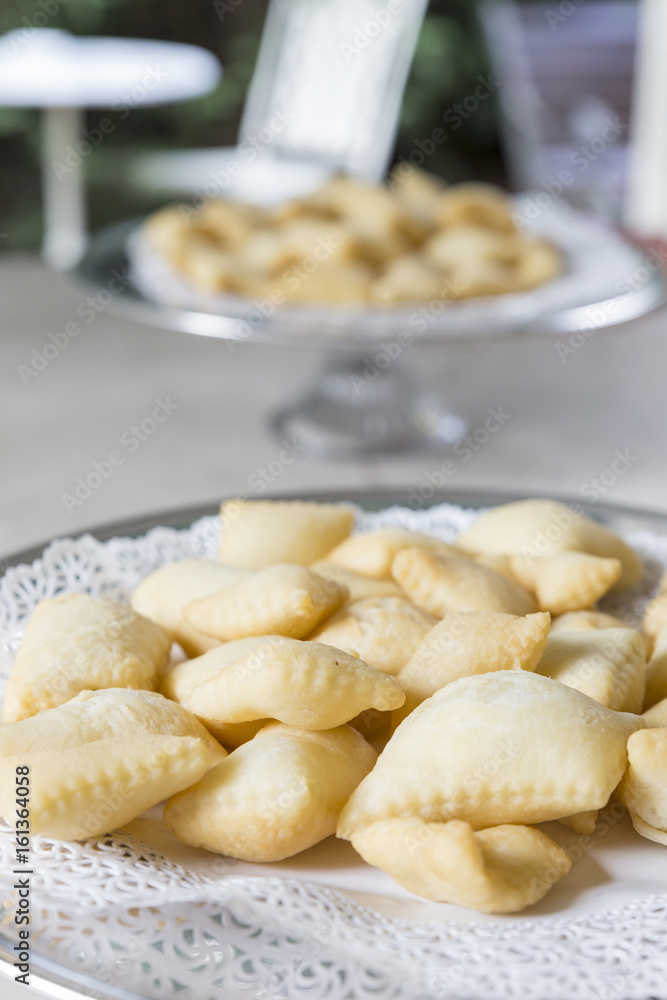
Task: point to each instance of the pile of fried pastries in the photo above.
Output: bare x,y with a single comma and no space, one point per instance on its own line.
411,240
432,703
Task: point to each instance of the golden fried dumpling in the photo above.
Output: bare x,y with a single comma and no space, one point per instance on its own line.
500,563
588,621
499,870
359,586
229,222
80,643
166,231
507,747
608,665
305,684
538,261
275,796
471,642
472,277
583,822
656,715
99,715
656,672
383,631
210,267
262,253
87,790
567,581
655,618
184,677
371,553
331,282
643,789
368,208
533,528
585,621
476,204
279,600
418,191
441,583
162,595
259,533
407,278
366,242
467,248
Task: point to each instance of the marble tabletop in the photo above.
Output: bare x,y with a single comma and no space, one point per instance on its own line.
589,420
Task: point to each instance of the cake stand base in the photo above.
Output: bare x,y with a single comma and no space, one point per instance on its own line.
358,409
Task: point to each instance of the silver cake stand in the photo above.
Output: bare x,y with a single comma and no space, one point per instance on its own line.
367,400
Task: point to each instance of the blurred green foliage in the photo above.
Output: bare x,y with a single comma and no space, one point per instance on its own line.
449,60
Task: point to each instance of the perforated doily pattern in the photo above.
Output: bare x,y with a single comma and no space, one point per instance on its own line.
121,913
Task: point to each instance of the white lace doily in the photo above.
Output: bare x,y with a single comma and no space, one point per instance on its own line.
138,911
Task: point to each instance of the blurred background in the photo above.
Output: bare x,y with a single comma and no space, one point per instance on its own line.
449,58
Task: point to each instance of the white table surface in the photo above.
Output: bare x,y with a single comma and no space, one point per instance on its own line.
16,991
567,419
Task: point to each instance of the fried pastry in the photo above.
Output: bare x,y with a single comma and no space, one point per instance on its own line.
368,209
472,278
184,677
80,643
88,790
358,585
259,533
371,553
533,528
305,684
443,583
500,563
643,789
655,618
499,870
567,581
475,204
507,747
99,715
230,222
583,822
585,621
162,595
537,262
656,715
471,642
406,278
212,269
471,247
355,242
656,672
275,796
418,191
167,231
279,600
383,631
608,665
